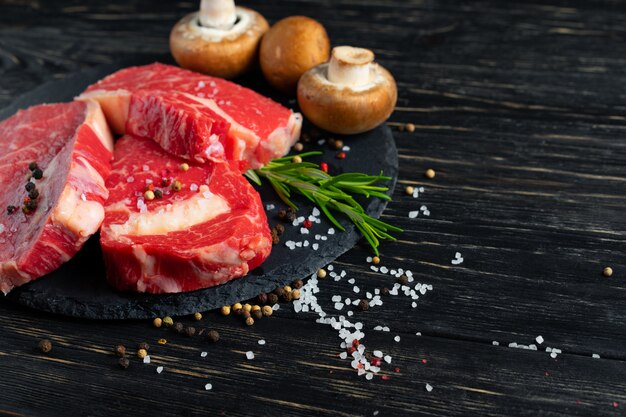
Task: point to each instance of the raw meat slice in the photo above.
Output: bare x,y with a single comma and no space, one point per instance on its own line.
229,121
210,231
72,145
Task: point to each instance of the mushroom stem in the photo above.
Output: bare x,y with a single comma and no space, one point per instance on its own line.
350,66
218,14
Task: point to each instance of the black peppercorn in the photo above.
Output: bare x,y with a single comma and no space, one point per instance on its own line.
246,314
33,166
120,350
364,305
37,174
403,280
158,193
297,284
178,327
280,229
11,209
31,205
272,298
30,186
44,345
275,238
190,331
257,315
282,214
33,193
291,215
287,297
385,291
124,362
279,291
262,298
212,336
144,346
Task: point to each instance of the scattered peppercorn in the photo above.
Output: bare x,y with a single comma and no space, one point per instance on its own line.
44,345
607,272
124,363
287,288
158,193
249,321
410,127
11,209
305,137
295,294
212,336
161,341
190,331
280,229
430,173
262,298
31,205
385,291
149,195
247,307
37,174
177,185
272,298
257,315
298,147
33,166
197,316
403,280
142,353
274,236
225,310
409,190
267,311
296,159
120,350
144,345
401,128
167,320
321,273
375,260
245,314
282,214
237,306
255,308
338,144
157,322
287,297
165,182
184,166
364,304
33,194
291,215
297,284
30,186
341,155
178,327
324,167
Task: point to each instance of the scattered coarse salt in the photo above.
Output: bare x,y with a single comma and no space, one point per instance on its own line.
413,214
315,246
429,387
146,168
595,356
397,338
276,307
208,387
304,231
495,343
338,306
261,342
343,355
159,369
351,281
369,376
539,339
316,212
458,259
146,359
331,231
346,148
374,268
321,141
270,207
193,187
368,259
130,179
250,355
387,358
207,194
356,289
377,353
335,298
204,354
82,197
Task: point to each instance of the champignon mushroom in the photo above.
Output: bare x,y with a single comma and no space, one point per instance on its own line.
220,39
348,95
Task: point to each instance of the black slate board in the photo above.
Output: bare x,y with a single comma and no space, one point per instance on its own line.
79,287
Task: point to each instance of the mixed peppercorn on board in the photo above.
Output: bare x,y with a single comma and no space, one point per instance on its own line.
79,287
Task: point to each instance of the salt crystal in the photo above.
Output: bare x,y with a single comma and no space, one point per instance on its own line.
304,231
512,345
270,207
336,298
553,355
350,313
539,339
146,168
298,244
315,246
250,355
130,179
384,269
315,212
338,306
374,268
429,387
421,189
321,141
146,359
413,214
356,289
387,358
397,338
495,343
204,354
351,281
369,376
318,237
193,187
305,244
418,334
208,387
343,355
261,342
276,307
368,295
414,304
330,267
368,259
324,237
331,231
159,369
82,197
595,356
346,148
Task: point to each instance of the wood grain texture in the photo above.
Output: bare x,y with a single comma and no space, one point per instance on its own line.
518,106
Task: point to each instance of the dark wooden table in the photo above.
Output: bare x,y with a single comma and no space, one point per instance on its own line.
521,111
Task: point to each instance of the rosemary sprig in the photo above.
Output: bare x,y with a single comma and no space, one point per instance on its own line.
329,193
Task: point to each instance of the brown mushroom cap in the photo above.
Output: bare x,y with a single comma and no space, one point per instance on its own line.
216,52
290,48
344,109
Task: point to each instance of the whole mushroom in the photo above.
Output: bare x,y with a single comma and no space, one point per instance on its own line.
348,95
220,39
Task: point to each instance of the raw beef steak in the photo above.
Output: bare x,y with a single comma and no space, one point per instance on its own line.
205,225
49,211
196,116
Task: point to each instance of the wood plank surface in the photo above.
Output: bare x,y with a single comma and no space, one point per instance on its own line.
518,106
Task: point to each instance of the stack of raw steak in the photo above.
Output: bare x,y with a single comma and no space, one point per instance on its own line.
175,212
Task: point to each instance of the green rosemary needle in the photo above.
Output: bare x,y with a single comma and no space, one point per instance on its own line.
329,193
